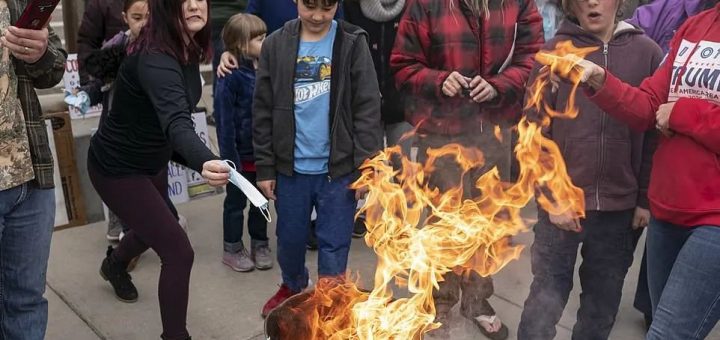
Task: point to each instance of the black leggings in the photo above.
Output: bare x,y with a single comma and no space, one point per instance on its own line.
142,203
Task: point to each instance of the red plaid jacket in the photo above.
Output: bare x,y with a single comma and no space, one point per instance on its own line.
435,38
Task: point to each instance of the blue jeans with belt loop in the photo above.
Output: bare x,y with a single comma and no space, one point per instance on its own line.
27,216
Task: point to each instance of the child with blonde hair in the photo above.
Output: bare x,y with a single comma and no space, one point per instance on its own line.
242,36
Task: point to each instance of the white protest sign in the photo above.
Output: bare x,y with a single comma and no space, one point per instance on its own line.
71,81
177,183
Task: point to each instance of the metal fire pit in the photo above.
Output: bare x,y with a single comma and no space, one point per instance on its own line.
283,323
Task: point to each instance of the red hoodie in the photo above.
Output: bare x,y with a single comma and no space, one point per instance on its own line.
685,180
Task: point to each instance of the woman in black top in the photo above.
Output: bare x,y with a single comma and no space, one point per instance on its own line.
157,88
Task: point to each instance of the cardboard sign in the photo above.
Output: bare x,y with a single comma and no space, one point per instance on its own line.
70,204
71,81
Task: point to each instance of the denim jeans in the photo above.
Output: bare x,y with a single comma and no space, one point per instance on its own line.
234,217
335,205
684,280
27,216
608,242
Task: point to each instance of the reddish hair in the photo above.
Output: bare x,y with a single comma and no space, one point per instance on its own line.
164,33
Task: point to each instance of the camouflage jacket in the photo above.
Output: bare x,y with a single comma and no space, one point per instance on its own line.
45,73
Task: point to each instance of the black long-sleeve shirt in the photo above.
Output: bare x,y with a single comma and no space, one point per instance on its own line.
150,118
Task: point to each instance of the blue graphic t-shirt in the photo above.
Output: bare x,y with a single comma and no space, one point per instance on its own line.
312,104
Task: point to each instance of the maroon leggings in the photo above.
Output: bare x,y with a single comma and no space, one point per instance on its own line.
141,203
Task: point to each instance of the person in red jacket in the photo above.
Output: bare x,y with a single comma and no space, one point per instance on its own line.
461,66
682,100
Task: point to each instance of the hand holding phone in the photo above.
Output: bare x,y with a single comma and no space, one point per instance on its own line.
27,39
37,14
27,45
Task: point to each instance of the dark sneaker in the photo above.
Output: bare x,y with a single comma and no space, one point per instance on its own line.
359,229
282,294
239,262
312,240
116,273
261,255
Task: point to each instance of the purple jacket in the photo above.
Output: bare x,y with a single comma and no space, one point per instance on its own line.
661,18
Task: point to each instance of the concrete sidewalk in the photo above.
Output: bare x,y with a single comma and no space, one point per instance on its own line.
225,304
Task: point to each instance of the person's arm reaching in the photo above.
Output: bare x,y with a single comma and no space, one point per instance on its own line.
636,106
161,78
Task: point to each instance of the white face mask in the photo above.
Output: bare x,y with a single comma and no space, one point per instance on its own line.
253,194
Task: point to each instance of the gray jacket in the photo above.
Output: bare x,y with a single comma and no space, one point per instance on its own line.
355,128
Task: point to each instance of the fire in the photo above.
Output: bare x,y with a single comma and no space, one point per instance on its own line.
419,234
563,61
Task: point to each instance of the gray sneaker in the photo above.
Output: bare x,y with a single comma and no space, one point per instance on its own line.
239,262
262,255
114,227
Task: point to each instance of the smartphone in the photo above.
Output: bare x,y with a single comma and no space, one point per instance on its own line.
37,14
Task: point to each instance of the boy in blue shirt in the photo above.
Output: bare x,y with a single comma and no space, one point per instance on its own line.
310,143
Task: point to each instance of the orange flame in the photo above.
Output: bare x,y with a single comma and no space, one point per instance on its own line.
563,61
419,234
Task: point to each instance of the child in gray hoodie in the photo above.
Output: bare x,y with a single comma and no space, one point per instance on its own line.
611,164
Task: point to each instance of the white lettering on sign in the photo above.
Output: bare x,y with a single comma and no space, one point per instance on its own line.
701,76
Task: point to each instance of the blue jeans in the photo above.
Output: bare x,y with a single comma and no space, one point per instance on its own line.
234,218
27,216
335,205
684,280
608,242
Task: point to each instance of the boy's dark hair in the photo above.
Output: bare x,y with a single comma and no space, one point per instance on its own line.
239,30
129,3
323,3
164,31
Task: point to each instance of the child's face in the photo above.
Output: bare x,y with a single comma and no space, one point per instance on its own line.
596,16
136,17
254,46
316,18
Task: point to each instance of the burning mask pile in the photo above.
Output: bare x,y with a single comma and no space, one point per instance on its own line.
420,233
